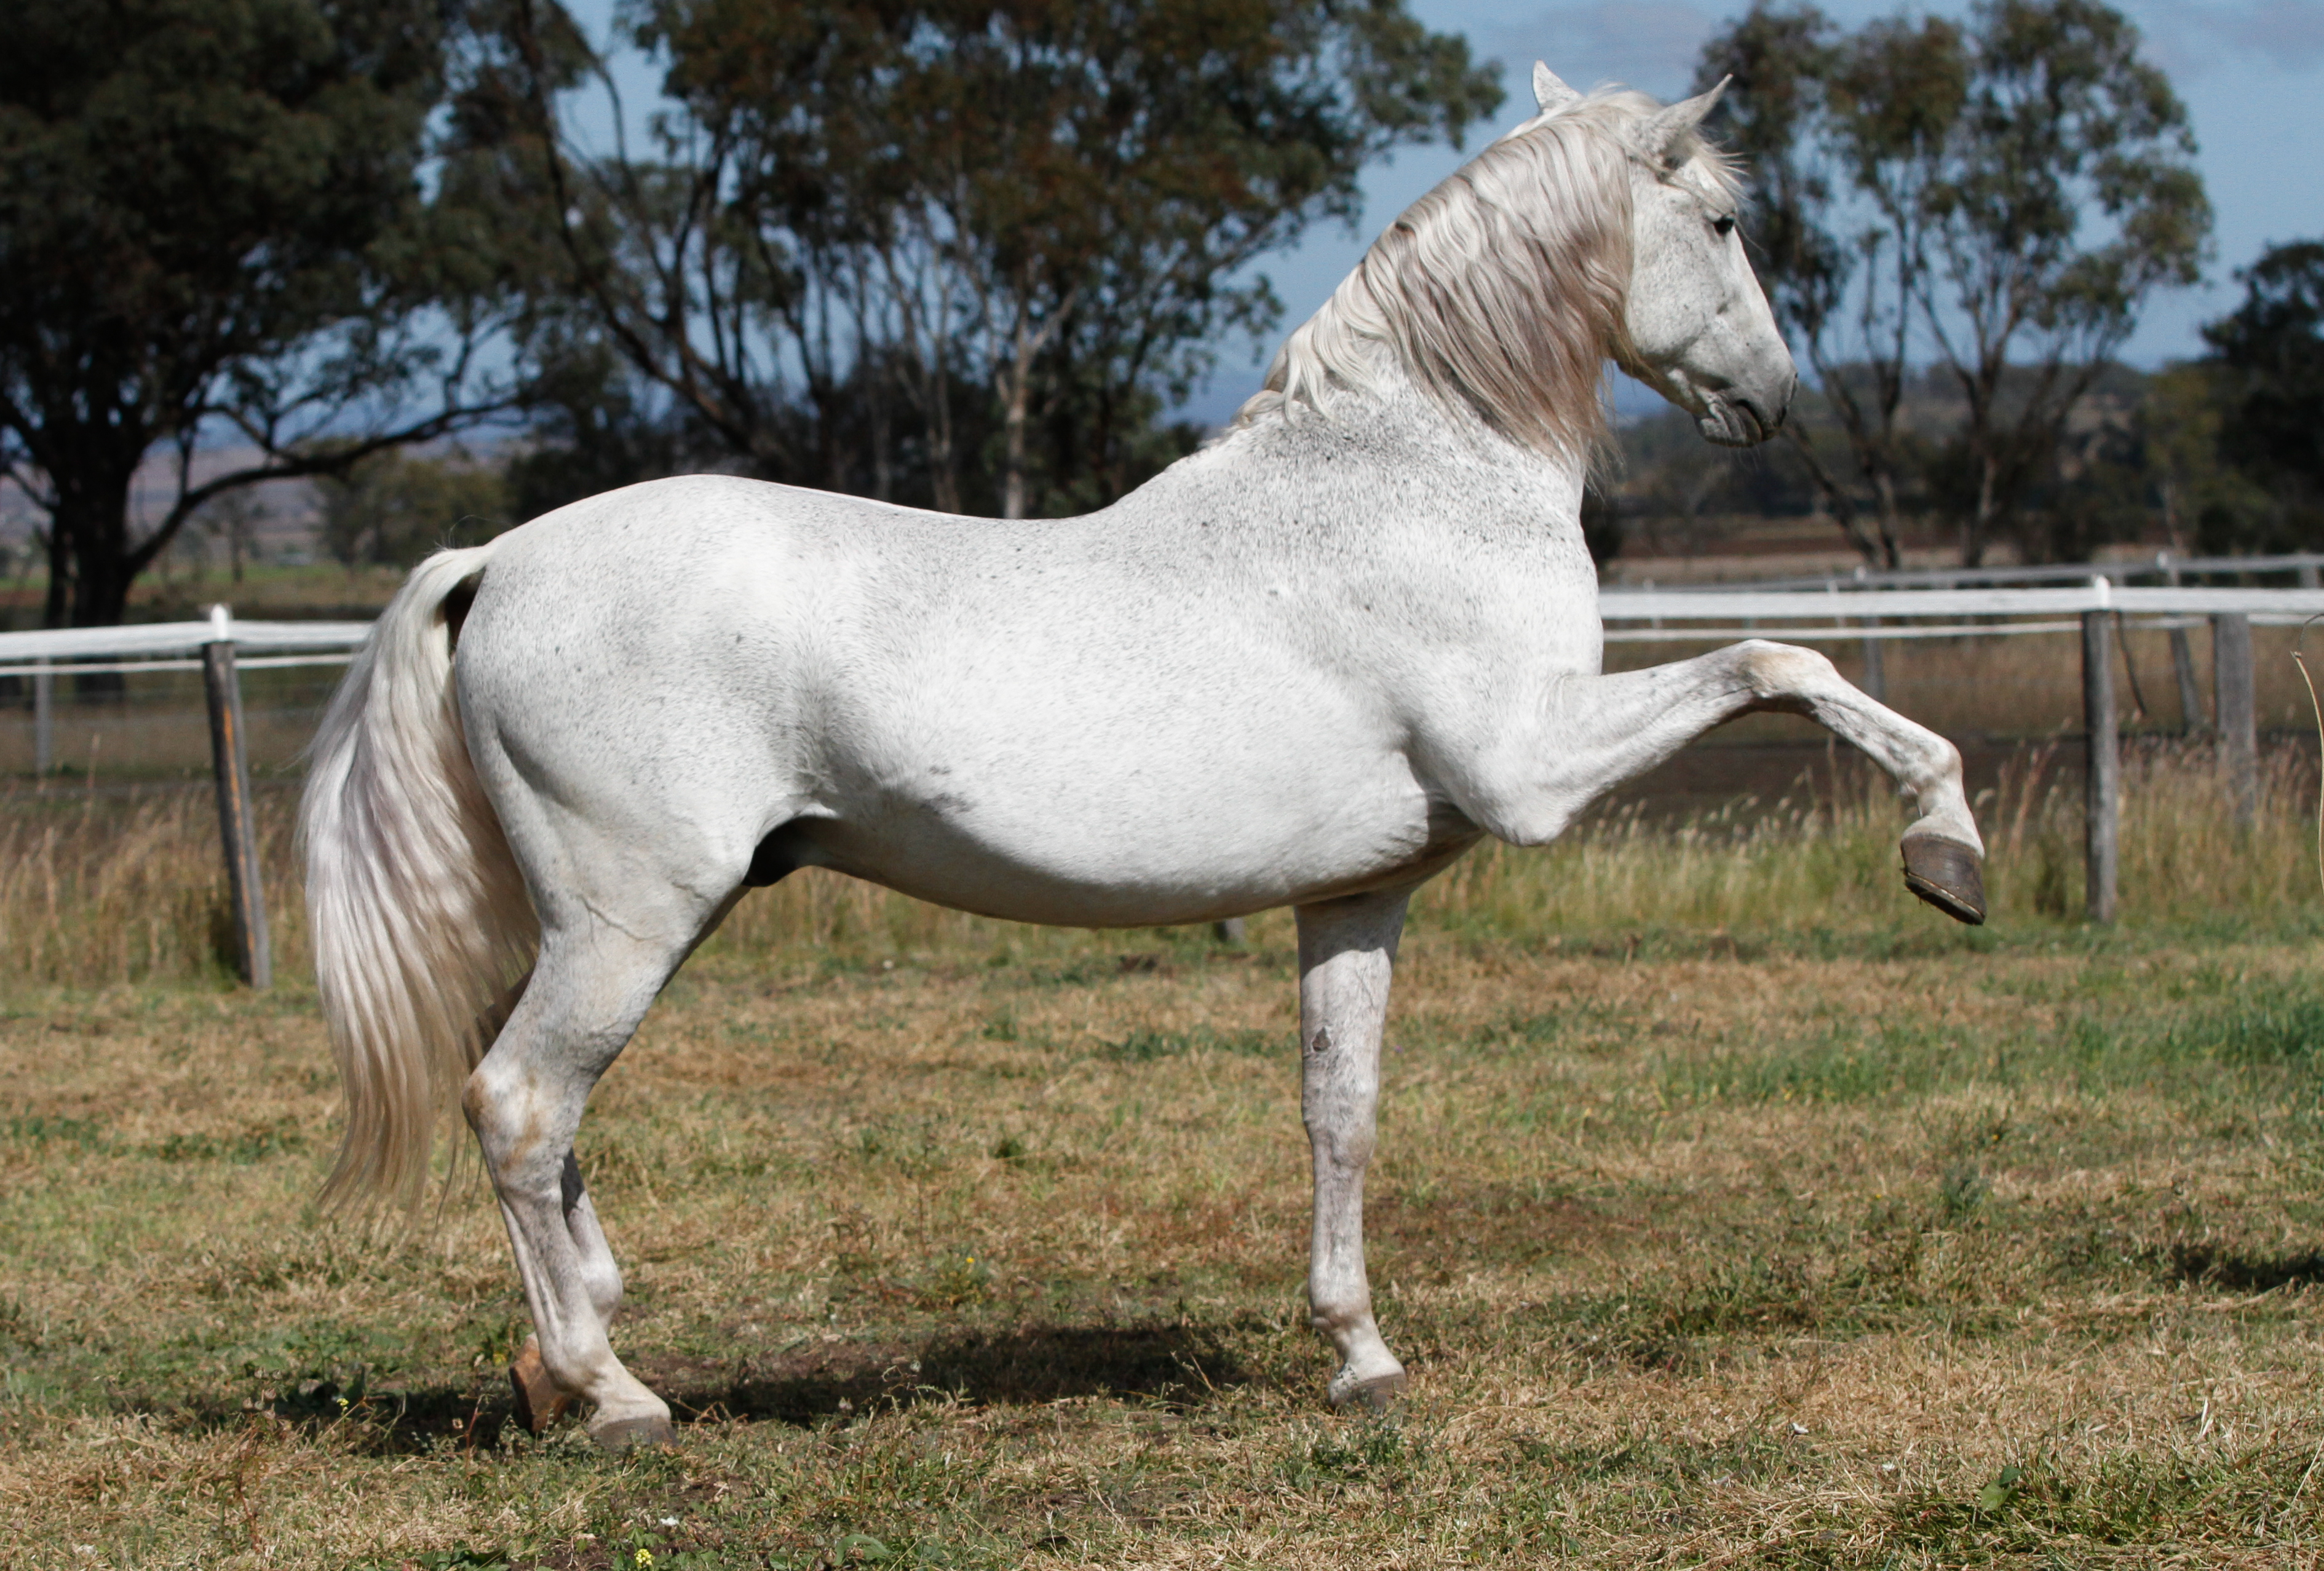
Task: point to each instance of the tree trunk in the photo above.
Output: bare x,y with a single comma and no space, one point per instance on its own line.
1884,489
1020,392
1978,532
883,484
1843,506
91,529
944,473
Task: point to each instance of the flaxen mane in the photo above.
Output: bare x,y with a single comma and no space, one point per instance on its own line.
1503,289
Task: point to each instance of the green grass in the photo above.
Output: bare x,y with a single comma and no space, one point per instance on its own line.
1938,1253
1731,1209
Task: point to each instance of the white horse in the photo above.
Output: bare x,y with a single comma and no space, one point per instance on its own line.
1310,666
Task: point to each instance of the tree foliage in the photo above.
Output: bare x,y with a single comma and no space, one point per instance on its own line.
1997,197
959,253
394,508
2271,361
211,229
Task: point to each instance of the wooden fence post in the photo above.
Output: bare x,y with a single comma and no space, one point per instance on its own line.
230,761
2232,704
2102,778
1875,668
44,721
2183,666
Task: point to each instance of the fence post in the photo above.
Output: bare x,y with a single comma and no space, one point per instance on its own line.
230,761
44,721
2182,661
1875,670
2232,704
2102,778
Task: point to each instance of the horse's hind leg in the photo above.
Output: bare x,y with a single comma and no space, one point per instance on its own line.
539,1402
588,991
1347,949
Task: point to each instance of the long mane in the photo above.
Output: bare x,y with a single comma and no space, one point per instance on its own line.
1502,290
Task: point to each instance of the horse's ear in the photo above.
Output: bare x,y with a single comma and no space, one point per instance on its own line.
1671,124
1548,91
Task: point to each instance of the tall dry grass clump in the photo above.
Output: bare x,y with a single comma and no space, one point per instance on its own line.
1829,860
96,890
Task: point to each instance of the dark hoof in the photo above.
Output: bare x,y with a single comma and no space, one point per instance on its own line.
1946,875
634,1434
1377,1394
538,1403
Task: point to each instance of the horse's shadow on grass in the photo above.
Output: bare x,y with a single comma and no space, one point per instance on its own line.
808,1383
1176,1366
2237,1272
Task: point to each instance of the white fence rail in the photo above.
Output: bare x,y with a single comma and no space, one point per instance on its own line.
2307,567
1798,615
1876,609
177,646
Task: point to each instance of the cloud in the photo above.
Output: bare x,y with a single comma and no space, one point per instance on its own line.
2189,40
1650,46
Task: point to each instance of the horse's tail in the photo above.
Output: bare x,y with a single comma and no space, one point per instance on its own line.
420,921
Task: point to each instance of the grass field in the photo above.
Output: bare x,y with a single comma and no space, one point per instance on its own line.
1731,1210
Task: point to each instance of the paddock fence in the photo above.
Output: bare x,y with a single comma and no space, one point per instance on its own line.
1968,652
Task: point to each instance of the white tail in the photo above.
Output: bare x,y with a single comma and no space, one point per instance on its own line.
420,921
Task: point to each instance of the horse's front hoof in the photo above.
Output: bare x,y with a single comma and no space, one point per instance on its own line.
1947,875
651,1432
1378,1393
538,1403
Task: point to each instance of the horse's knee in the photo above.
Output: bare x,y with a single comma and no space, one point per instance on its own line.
1775,671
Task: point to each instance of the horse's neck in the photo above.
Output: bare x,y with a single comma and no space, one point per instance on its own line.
1426,469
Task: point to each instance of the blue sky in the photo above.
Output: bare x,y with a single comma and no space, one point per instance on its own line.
2250,71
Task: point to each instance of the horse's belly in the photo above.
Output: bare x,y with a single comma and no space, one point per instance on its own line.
1137,852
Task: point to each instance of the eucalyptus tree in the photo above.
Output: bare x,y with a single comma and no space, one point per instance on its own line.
2268,381
1996,198
2070,196
212,228
1839,133
980,214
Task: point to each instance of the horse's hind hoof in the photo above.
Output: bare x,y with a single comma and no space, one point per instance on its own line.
1946,874
1377,1394
647,1434
538,1403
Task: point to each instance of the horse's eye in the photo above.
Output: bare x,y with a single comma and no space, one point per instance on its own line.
1725,226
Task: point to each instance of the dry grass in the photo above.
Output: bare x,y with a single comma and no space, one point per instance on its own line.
2030,684
1730,1211
98,887
2001,1252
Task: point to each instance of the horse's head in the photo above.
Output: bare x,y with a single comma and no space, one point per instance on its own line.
1697,328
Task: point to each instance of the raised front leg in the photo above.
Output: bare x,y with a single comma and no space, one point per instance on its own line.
1598,731
1347,949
